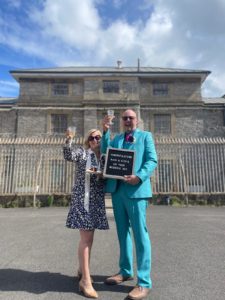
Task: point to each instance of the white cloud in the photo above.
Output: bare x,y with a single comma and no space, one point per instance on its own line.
179,34
8,88
76,23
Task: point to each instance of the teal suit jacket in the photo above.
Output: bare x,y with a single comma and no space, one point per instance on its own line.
144,165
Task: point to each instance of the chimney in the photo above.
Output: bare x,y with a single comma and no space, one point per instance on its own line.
119,64
138,66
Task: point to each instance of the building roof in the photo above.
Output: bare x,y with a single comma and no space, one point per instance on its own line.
4,101
108,71
214,100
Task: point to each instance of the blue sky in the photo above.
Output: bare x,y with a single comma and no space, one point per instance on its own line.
185,34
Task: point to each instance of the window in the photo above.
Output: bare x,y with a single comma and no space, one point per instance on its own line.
162,124
60,89
160,89
59,123
111,86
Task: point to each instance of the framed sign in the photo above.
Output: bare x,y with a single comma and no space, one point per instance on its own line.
119,162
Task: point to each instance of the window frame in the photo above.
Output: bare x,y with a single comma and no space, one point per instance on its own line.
160,130
60,127
160,89
114,89
60,89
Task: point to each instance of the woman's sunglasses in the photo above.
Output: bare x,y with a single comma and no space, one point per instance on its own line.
92,138
125,118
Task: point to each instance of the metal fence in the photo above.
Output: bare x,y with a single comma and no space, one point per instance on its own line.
30,166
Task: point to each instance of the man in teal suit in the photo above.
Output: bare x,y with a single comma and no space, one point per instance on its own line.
130,199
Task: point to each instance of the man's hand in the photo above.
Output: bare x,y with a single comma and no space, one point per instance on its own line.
132,179
106,122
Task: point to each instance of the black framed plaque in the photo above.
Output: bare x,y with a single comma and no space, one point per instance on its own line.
119,162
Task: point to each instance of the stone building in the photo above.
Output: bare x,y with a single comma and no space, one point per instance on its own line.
167,101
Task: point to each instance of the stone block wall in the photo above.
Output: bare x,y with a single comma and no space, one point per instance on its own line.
179,91
39,93
31,122
187,122
7,122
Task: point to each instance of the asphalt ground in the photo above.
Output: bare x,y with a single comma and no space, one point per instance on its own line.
38,255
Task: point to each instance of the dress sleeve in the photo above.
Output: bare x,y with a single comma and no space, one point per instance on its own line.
72,154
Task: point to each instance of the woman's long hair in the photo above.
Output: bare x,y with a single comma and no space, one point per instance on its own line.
86,142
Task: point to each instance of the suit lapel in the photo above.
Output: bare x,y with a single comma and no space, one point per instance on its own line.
135,135
120,141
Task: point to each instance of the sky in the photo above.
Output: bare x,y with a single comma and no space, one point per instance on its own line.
186,34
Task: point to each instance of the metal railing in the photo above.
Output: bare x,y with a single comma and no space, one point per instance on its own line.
30,166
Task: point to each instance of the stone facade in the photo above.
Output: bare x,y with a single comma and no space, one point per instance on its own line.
7,122
168,101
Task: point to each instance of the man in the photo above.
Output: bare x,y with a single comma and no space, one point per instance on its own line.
130,200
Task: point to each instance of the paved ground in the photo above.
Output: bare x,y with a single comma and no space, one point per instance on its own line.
37,255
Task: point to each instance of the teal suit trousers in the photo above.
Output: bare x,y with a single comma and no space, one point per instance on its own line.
131,214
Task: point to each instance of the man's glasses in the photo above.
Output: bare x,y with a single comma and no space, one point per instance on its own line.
125,118
92,138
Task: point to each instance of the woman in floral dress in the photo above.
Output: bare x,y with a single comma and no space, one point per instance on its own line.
87,209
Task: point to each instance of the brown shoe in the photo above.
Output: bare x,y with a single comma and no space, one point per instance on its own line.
138,293
117,279
87,289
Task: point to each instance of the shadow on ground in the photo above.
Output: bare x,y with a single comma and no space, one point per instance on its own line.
42,282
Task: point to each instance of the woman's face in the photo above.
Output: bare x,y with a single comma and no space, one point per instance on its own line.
94,140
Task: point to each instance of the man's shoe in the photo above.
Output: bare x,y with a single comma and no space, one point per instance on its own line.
117,279
138,293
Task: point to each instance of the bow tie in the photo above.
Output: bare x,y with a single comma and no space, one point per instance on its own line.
129,138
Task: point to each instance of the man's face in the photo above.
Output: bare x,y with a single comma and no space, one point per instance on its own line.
129,120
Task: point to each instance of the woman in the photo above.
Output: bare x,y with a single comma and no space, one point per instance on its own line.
87,209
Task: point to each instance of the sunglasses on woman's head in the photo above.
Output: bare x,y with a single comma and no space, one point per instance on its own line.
125,118
92,138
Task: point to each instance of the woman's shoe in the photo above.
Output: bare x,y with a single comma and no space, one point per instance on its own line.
87,290
79,276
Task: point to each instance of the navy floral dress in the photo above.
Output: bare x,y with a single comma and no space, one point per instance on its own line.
79,217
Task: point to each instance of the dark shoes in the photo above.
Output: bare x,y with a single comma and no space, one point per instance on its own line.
117,279
138,293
